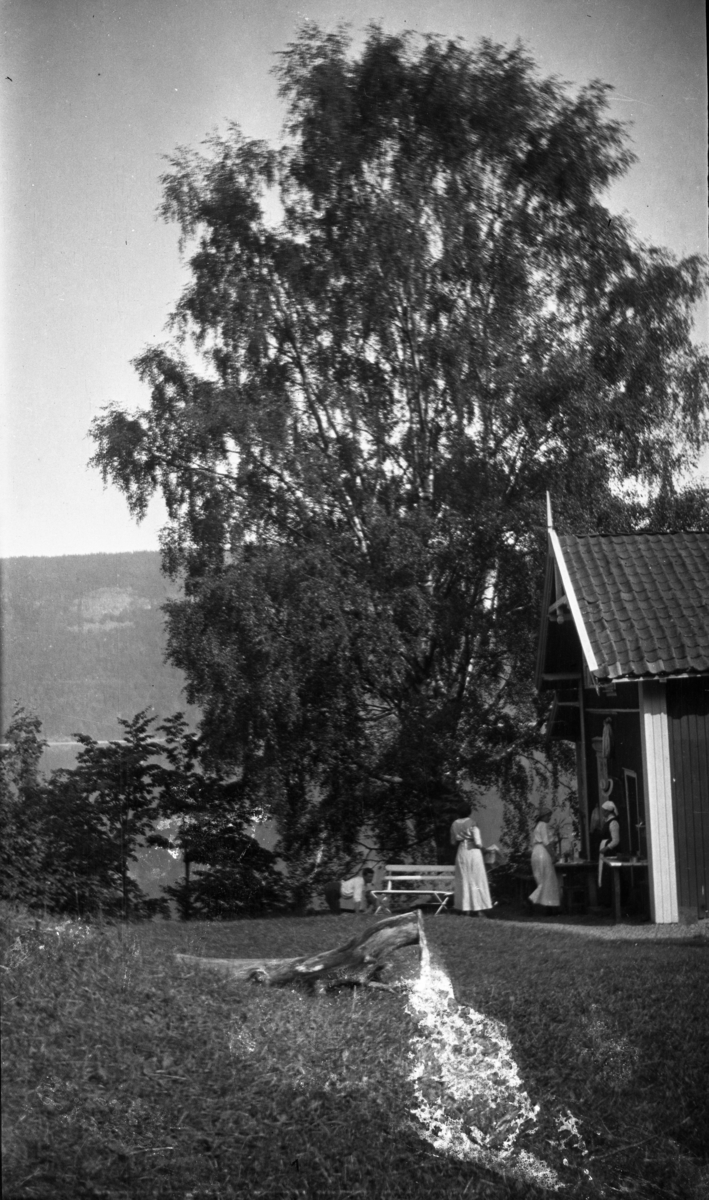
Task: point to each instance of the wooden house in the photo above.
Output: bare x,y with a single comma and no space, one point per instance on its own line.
624,645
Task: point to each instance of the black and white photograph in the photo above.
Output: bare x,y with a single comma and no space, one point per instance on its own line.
354,595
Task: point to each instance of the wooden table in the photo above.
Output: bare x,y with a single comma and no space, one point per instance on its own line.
577,869
617,865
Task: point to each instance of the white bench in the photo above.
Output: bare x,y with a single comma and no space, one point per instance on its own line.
417,880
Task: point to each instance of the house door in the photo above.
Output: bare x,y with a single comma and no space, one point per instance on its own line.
634,815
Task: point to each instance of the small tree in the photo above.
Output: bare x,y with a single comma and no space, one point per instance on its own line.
23,833
235,876
80,867
57,850
120,778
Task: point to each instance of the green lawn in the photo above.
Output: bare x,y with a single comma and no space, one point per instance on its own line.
127,1074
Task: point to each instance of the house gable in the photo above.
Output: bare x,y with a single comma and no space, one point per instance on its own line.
624,644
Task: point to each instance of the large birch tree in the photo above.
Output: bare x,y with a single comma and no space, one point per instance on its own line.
400,329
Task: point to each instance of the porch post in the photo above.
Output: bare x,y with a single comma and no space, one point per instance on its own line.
582,777
657,778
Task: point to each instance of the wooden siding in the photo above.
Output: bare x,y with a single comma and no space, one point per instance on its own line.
688,717
657,773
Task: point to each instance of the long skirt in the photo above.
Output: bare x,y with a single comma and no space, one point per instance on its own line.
545,877
470,887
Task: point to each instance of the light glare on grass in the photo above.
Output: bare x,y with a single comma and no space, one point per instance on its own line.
470,1100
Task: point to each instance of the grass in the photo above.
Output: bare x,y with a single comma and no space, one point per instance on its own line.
127,1074
615,1031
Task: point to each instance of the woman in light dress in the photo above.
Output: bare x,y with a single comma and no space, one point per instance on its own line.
546,894
471,893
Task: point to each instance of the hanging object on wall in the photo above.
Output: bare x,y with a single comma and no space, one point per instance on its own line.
601,760
607,738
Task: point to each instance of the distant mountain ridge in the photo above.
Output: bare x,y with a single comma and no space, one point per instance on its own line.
83,641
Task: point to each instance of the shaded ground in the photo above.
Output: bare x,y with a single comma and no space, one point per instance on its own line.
608,929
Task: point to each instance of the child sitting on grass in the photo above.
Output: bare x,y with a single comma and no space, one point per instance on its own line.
358,888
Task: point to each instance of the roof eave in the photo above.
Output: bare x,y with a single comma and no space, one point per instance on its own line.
574,606
653,677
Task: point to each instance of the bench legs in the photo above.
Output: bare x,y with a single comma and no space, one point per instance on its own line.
441,901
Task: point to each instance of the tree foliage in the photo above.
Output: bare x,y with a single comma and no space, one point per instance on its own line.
364,403
235,876
68,841
118,780
57,850
23,842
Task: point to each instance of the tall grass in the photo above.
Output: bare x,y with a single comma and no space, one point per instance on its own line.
128,1074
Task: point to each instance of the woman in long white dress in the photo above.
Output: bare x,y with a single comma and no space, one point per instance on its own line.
546,894
471,893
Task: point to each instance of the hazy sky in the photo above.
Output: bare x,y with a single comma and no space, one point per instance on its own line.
95,93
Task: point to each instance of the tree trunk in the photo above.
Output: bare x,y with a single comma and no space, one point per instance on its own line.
358,961
124,872
187,910
445,851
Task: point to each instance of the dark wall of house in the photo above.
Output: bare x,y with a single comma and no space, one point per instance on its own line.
688,719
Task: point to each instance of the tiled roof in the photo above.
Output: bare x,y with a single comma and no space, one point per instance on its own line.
644,600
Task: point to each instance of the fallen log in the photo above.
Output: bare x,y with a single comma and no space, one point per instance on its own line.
357,962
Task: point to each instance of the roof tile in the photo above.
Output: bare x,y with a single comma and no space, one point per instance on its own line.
644,600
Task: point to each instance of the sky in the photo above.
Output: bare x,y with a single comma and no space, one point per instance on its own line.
95,94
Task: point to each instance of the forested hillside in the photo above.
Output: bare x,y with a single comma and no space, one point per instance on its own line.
84,643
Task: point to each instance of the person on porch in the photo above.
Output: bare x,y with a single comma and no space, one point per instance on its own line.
608,845
546,895
610,829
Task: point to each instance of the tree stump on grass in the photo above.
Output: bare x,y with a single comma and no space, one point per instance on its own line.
358,962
